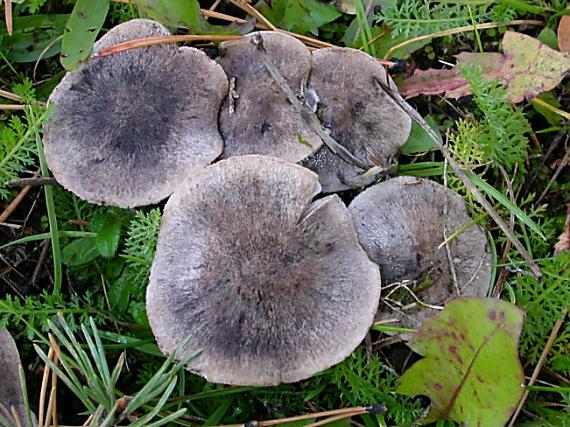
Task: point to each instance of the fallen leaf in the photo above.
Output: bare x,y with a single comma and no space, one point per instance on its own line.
563,243
527,67
564,33
471,370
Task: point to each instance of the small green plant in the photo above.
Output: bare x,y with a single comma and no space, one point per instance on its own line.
543,301
85,371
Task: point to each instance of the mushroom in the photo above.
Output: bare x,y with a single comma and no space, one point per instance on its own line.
401,224
126,127
360,115
273,287
257,117
11,395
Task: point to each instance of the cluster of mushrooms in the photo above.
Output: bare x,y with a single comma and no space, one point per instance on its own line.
271,279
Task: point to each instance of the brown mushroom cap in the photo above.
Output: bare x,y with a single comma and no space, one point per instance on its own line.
361,116
10,387
264,121
272,287
125,128
400,224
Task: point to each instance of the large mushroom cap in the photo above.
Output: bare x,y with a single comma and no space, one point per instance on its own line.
400,223
257,117
274,288
361,116
127,127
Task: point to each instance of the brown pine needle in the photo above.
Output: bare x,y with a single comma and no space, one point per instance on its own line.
541,361
344,412
153,41
14,204
43,390
12,107
8,16
9,95
464,29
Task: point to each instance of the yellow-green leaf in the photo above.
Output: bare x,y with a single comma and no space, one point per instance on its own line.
471,370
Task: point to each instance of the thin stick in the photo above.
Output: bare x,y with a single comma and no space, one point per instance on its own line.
463,177
153,41
14,203
253,12
457,30
445,215
222,16
43,390
12,107
538,366
356,410
333,419
8,16
561,166
32,182
308,116
10,95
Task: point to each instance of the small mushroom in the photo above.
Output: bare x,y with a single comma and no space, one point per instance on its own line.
125,128
10,386
257,117
360,115
273,287
400,224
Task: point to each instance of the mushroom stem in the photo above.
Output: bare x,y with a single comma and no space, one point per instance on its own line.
309,117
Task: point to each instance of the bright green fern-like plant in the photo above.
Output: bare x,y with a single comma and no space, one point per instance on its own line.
502,128
410,18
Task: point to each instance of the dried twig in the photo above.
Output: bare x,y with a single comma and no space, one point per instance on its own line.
32,182
8,16
14,204
538,367
12,107
306,113
462,176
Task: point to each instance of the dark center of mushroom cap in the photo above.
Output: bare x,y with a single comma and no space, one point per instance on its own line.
126,105
272,286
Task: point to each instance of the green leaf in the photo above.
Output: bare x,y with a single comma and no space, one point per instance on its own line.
548,37
419,141
471,370
121,291
421,169
81,30
303,17
31,37
181,13
108,236
80,251
503,200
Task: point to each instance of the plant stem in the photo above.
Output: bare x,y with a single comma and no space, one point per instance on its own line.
48,190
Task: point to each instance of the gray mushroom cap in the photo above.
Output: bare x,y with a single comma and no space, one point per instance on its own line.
400,225
128,127
257,117
10,387
361,116
273,287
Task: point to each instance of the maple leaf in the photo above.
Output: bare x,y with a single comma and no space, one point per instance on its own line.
527,67
471,370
